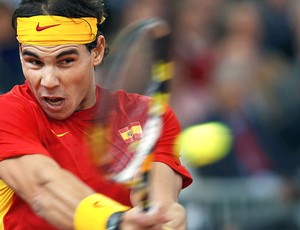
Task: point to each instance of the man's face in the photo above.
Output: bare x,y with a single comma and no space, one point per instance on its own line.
61,77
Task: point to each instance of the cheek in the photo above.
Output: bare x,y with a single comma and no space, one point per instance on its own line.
85,73
80,80
32,77
82,77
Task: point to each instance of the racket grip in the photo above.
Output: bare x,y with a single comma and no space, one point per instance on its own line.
141,191
142,183
145,191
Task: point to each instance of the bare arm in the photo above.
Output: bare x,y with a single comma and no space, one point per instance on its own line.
53,193
165,186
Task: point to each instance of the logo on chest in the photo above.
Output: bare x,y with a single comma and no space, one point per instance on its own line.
132,132
59,135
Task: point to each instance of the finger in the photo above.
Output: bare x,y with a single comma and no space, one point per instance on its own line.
144,220
177,217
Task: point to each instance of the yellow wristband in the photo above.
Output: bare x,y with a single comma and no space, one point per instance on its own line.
94,211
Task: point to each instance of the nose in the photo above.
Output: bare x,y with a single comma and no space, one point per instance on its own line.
49,78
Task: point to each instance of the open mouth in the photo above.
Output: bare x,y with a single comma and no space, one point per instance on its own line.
54,101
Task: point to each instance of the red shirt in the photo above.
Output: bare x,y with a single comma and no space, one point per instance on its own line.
25,129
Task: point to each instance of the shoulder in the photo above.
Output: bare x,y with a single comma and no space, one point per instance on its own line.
18,101
123,96
133,106
125,101
18,94
138,103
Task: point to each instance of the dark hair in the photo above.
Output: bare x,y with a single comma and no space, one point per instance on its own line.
65,8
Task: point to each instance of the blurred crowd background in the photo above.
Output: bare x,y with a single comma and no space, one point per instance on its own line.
236,62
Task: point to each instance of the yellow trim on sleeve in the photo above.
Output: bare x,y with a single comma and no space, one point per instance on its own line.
6,199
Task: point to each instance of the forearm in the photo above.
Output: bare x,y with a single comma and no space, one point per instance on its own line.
164,188
164,185
50,191
165,182
56,201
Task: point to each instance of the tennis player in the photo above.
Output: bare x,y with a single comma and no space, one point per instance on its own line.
48,178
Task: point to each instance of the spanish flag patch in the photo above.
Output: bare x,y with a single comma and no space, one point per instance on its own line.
132,132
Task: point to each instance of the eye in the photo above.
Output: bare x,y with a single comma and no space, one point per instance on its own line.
66,61
34,62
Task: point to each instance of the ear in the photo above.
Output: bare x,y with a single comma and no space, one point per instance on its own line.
98,51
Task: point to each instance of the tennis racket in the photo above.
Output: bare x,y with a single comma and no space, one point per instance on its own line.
155,35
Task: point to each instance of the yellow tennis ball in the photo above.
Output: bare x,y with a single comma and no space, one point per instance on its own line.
205,143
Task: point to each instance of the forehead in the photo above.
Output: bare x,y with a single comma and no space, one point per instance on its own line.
54,50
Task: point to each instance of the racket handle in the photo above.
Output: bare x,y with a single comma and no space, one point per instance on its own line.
145,196
141,190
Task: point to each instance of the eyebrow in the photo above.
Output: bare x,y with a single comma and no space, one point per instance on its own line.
29,53
64,53
67,52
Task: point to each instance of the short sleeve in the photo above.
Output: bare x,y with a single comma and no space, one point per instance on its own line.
19,131
166,149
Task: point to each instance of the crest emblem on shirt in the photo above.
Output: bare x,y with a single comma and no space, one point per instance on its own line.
132,132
